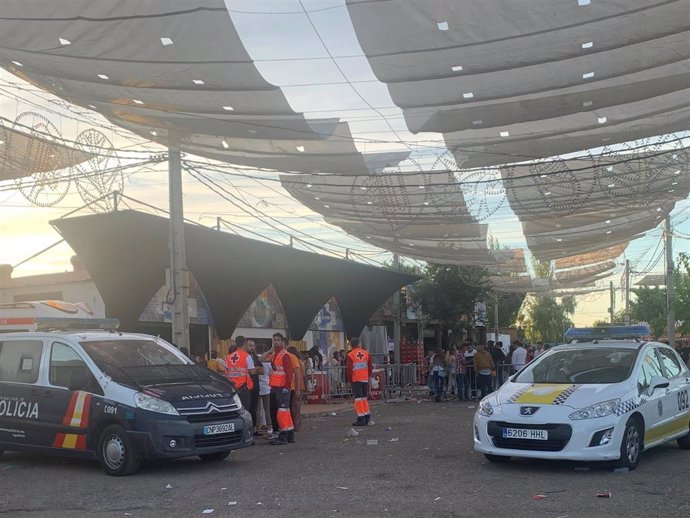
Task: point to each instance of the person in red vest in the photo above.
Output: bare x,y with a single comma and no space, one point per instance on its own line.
358,372
280,382
239,366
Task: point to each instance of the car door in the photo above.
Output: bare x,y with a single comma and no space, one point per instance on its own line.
72,387
21,402
679,379
651,403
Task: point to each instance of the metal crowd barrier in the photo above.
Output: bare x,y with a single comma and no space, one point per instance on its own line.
392,381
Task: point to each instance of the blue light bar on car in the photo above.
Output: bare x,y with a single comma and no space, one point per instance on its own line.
604,333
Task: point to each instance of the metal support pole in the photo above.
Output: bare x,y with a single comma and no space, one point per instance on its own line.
396,315
670,318
116,200
179,275
347,253
218,220
627,292
496,317
613,301
291,242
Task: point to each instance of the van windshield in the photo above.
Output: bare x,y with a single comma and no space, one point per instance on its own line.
130,353
141,363
588,365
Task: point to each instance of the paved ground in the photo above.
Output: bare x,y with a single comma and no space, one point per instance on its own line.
423,466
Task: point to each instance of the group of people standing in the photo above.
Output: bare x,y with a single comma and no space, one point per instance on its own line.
471,372
269,383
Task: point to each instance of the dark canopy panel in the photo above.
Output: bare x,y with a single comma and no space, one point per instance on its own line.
127,253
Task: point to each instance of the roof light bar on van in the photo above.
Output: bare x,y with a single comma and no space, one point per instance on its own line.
76,324
607,333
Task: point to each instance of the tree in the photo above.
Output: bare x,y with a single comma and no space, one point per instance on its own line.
601,323
547,319
509,305
650,306
448,293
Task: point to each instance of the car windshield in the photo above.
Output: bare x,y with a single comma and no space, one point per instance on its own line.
587,365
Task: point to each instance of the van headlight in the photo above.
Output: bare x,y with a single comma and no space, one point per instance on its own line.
485,408
153,404
238,402
597,410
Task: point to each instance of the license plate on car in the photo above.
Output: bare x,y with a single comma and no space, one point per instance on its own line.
214,429
522,433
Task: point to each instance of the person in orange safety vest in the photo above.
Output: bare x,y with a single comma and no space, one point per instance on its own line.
239,366
358,372
280,381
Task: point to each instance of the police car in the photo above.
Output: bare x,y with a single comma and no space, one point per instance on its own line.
606,396
115,397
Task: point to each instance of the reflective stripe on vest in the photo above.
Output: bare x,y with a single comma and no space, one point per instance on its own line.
360,365
237,370
277,377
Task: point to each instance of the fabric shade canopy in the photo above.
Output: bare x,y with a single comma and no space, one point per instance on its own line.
127,254
172,71
500,78
596,256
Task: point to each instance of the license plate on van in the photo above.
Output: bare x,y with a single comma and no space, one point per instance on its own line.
521,433
214,429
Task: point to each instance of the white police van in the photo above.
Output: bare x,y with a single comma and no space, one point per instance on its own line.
116,397
606,396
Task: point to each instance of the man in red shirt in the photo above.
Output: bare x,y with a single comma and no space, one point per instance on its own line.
280,382
358,372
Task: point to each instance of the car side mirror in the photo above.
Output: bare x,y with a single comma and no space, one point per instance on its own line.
657,382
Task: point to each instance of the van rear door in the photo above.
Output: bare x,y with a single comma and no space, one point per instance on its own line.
21,401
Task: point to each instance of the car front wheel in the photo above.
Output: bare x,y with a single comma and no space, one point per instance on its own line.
116,453
631,445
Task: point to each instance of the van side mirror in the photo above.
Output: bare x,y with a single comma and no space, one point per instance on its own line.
657,382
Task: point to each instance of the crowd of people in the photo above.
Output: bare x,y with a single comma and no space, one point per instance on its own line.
472,371
271,382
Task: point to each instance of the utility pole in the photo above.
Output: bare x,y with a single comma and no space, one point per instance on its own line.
627,292
670,319
218,220
496,316
179,275
613,300
396,315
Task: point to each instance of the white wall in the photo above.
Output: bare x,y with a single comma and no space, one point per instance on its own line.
80,291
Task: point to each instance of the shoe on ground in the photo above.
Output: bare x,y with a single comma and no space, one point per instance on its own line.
277,442
359,423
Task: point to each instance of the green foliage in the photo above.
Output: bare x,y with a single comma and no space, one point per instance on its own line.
509,305
600,323
547,319
448,292
649,305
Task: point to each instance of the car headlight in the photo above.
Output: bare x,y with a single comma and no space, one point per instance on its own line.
597,410
485,408
153,404
238,402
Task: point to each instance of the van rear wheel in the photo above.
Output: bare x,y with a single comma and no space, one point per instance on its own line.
214,457
115,452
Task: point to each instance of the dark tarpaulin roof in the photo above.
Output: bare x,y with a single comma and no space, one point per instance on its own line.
127,254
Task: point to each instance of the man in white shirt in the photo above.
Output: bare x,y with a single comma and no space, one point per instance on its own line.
519,357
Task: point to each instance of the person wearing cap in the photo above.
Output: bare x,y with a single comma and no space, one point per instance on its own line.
358,371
